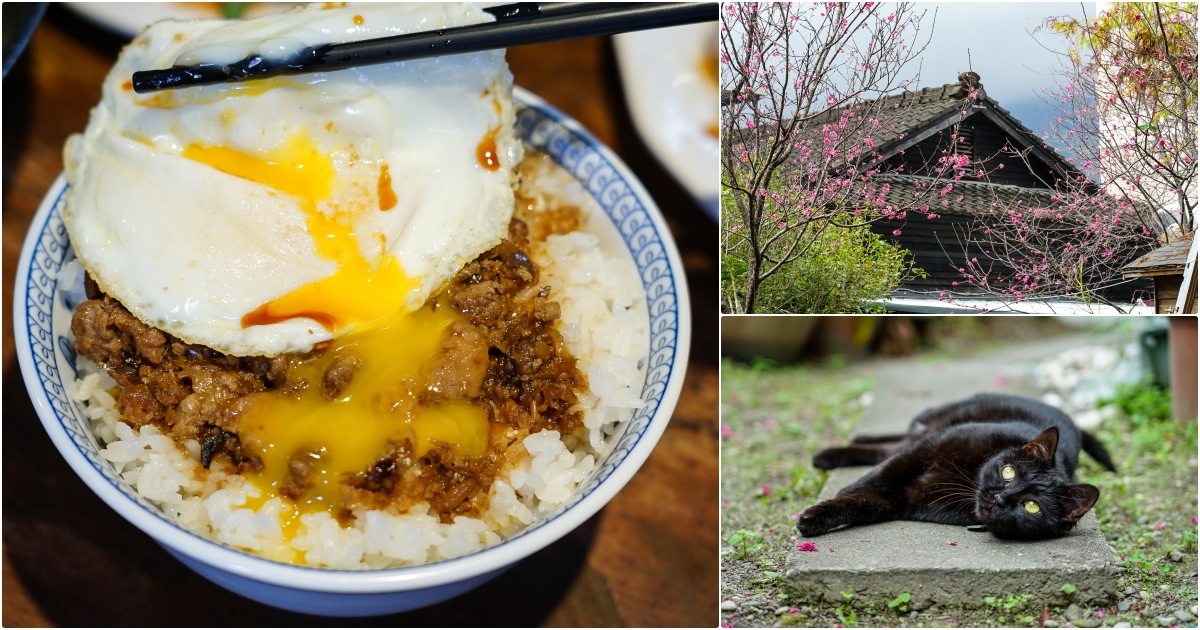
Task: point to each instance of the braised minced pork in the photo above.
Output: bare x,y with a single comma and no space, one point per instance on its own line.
506,357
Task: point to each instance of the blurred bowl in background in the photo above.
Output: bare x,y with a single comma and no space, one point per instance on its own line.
20,20
670,80
127,19
778,338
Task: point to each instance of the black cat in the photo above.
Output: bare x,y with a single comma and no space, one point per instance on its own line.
1001,461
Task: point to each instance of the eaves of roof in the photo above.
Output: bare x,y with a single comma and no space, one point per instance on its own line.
1168,260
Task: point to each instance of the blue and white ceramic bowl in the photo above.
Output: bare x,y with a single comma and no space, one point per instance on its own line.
42,317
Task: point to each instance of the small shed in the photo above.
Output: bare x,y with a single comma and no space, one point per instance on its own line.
1165,266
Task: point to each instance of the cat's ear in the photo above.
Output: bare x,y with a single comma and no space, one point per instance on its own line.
1042,448
1079,499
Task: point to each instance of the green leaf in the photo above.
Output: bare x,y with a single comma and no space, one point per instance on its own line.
1068,588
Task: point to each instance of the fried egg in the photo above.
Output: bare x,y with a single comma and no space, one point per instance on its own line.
260,218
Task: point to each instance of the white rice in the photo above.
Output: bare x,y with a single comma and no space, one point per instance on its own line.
604,324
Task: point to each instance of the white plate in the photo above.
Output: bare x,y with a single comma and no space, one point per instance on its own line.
674,103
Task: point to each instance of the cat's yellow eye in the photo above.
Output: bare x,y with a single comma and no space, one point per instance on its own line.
1008,472
1032,507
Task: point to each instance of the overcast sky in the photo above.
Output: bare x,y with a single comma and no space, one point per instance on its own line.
1004,50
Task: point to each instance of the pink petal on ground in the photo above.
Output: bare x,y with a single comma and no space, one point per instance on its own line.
999,381
794,517
766,490
806,546
793,610
1194,520
770,425
1099,614
1159,526
831,550
1087,558
725,430
953,543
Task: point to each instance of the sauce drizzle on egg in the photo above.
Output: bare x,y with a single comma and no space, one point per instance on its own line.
486,153
387,197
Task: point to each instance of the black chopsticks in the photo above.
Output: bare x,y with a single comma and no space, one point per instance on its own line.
515,25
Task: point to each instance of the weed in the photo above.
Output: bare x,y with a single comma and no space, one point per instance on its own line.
748,540
845,613
901,602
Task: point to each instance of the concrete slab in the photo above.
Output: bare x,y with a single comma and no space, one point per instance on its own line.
883,560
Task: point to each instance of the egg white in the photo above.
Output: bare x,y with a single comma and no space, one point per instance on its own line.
191,249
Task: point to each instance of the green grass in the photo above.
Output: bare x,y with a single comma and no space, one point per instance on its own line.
774,418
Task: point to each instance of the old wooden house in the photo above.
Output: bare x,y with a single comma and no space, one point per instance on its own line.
939,121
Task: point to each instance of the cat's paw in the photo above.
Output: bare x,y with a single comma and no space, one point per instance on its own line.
827,459
814,521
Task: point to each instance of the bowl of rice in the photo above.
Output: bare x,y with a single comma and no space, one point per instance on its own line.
625,316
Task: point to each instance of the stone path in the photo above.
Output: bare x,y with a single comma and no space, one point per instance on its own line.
883,560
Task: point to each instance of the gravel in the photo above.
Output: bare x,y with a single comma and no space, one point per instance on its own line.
1122,624
1165,620
1073,612
1123,605
1088,623
1129,590
781,610
1184,616
1142,520
1145,595
1050,623
729,605
1176,556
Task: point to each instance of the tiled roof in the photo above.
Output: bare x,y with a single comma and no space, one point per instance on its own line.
916,109
1168,258
919,108
977,197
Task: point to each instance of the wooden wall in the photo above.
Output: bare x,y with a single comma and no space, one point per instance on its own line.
936,246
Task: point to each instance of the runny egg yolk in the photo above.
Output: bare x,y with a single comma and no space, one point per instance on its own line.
363,305
380,405
358,292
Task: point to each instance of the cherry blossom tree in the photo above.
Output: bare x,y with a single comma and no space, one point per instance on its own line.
1124,111
804,110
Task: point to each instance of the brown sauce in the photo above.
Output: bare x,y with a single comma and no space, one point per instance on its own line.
486,153
262,316
387,197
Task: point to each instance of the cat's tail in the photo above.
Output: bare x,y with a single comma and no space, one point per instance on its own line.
1093,447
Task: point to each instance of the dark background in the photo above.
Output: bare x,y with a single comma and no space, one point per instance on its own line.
647,559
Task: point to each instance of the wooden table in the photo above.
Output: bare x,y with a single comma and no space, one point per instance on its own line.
648,558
